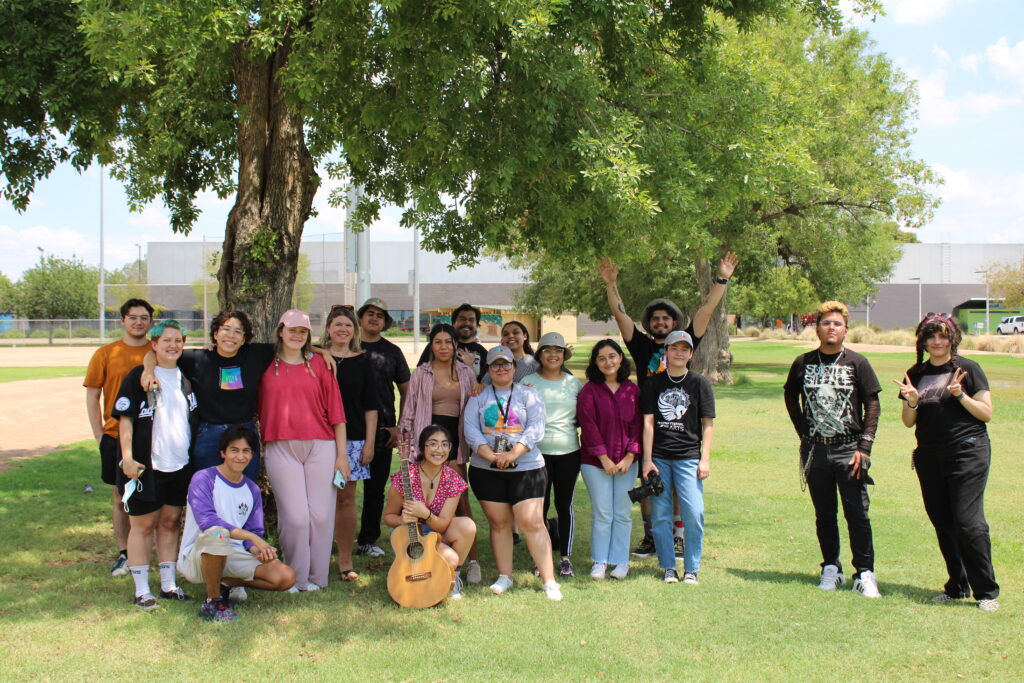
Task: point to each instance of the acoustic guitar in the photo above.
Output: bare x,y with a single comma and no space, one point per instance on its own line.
420,576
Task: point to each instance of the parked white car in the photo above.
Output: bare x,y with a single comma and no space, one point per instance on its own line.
1011,324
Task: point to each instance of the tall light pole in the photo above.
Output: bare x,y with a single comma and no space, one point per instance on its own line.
139,261
920,315
988,330
103,276
415,290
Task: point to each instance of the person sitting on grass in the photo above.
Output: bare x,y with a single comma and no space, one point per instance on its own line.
436,491
223,545
157,431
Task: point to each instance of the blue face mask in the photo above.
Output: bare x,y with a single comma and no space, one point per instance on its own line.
131,487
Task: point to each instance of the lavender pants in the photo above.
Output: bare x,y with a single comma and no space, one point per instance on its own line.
301,474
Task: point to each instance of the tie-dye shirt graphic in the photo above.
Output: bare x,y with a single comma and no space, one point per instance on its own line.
231,378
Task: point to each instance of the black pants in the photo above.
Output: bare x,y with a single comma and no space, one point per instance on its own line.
373,490
953,482
563,470
829,471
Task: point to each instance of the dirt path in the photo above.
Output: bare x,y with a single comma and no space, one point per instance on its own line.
38,415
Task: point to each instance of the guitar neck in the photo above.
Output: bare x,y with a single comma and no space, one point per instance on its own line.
414,528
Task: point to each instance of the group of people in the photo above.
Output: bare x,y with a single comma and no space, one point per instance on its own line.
511,424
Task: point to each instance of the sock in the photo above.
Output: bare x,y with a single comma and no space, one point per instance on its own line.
647,524
123,552
167,576
678,521
141,576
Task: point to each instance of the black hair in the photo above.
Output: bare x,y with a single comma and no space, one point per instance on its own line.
450,331
937,325
594,374
527,349
226,315
466,307
428,432
132,303
663,307
236,432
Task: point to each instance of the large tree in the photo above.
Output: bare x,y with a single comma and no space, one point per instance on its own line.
790,147
497,123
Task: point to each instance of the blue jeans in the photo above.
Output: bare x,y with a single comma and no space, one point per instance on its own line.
611,510
679,476
207,448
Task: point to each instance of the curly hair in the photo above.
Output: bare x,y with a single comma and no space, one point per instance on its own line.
428,432
226,315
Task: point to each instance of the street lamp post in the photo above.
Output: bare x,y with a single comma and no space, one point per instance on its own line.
988,329
920,315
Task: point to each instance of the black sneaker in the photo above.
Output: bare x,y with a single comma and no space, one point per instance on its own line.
216,610
565,568
678,543
671,576
146,603
120,566
645,548
176,594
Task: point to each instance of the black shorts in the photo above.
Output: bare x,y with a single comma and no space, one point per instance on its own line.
507,486
110,455
169,488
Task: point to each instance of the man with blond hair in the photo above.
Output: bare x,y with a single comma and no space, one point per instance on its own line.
832,399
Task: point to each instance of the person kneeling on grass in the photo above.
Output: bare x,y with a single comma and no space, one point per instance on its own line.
223,544
679,414
157,431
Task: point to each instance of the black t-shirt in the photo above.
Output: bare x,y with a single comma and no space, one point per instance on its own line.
227,388
826,394
941,418
677,406
358,393
479,367
132,402
648,355
389,369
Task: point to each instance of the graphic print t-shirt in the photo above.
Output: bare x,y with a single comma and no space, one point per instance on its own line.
832,389
227,388
941,418
649,356
677,407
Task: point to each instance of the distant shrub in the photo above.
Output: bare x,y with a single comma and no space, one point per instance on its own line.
751,331
808,334
85,332
861,335
12,334
39,334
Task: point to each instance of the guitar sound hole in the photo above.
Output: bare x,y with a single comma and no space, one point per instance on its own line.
414,551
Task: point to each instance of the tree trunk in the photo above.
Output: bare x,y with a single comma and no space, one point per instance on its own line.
276,184
713,358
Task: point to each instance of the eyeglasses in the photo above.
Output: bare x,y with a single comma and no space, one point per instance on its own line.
434,443
500,365
137,318
553,350
237,331
832,323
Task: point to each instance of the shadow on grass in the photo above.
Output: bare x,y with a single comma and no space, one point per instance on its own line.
912,593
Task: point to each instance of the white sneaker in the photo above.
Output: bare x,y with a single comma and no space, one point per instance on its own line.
597,571
988,605
503,583
293,589
473,573
238,594
831,578
311,587
456,593
553,590
620,571
370,550
867,585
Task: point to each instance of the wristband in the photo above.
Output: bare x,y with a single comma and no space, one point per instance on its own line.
722,280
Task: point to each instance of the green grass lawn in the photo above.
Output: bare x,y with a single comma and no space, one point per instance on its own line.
19,373
756,615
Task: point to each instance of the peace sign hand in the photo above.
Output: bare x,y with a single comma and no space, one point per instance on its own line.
908,391
955,387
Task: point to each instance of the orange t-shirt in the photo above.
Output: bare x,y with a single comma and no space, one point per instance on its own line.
107,370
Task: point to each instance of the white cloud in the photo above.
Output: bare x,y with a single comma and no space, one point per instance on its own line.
18,248
916,11
1007,61
937,108
977,207
970,64
941,54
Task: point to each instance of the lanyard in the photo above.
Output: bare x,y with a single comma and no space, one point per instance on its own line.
508,403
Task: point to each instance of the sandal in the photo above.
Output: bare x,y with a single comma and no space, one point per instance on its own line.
347,574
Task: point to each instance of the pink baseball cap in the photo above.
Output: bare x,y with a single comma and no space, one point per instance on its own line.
293,317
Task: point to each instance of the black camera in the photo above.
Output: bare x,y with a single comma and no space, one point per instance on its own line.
652,487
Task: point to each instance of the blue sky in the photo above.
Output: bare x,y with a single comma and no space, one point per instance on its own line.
967,57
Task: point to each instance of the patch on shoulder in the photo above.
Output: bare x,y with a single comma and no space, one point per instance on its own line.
122,403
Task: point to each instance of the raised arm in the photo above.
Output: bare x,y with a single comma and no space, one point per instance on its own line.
610,274
701,319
